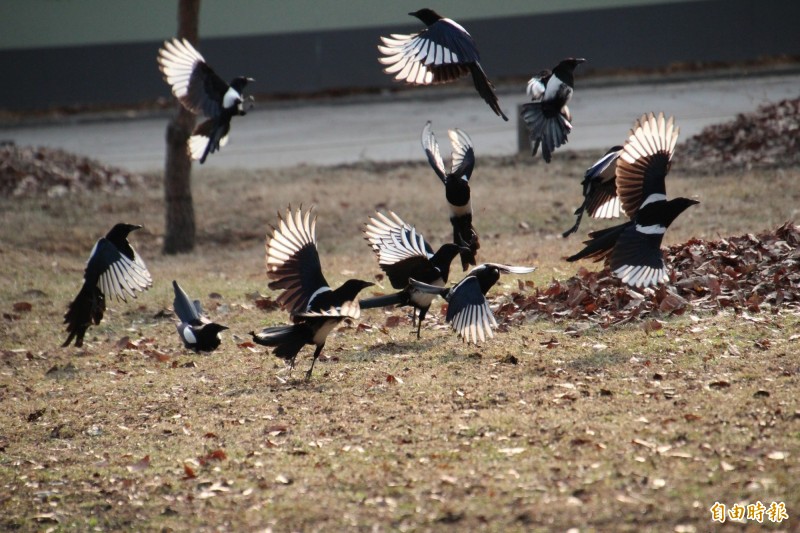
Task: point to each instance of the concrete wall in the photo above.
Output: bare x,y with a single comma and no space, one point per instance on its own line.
111,58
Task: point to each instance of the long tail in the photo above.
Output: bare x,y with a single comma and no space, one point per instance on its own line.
398,298
486,89
287,340
87,308
207,138
579,214
547,127
601,243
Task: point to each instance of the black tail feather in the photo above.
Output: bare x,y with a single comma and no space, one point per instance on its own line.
546,127
86,309
287,340
601,243
486,89
398,298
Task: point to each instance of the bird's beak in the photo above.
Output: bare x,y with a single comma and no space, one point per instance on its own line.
251,79
580,60
413,14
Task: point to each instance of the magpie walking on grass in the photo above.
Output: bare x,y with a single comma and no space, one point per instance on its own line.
196,331
114,269
403,254
599,190
632,250
547,116
293,266
468,311
200,90
441,53
456,187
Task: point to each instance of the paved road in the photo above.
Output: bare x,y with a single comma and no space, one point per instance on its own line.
386,128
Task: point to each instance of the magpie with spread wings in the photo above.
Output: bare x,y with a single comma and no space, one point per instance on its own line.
599,183
195,329
443,52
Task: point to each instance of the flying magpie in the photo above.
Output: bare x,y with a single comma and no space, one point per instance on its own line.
468,311
632,250
114,269
441,53
196,331
200,90
599,190
456,187
547,116
404,254
293,266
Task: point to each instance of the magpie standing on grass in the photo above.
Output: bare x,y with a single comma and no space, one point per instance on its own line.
114,269
441,53
293,266
196,331
547,116
468,311
456,187
599,190
404,254
200,90
632,250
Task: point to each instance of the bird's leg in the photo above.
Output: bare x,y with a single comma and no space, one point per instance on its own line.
316,354
419,326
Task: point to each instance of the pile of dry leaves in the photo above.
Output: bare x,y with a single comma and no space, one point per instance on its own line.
766,138
750,273
27,171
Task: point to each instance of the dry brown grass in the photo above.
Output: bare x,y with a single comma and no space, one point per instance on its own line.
604,430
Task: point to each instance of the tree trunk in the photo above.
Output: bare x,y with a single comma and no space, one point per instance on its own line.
179,235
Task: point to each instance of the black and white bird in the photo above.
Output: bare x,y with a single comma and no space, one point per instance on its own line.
293,266
632,250
599,190
200,90
456,187
547,116
403,254
441,53
468,311
196,331
114,270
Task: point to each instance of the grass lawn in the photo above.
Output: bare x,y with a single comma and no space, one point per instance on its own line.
552,425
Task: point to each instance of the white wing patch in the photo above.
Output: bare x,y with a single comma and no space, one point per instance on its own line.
294,231
176,60
608,209
124,277
408,57
474,323
641,276
393,240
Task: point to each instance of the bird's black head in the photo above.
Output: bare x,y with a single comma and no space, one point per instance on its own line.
487,275
120,232
427,16
214,328
444,256
350,289
570,63
240,83
675,207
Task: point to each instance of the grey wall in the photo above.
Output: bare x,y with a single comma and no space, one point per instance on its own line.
648,36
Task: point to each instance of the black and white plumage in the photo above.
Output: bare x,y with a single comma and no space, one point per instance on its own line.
547,116
114,270
632,250
196,331
403,254
293,266
599,190
456,187
441,53
468,311
200,90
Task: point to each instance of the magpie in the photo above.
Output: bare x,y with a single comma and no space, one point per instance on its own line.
456,187
114,269
403,254
599,190
632,250
293,266
200,90
468,311
441,53
196,331
547,116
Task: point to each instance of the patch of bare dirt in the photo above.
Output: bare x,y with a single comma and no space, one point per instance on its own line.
35,171
748,274
766,138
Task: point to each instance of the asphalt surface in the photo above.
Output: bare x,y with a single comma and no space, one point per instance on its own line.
386,128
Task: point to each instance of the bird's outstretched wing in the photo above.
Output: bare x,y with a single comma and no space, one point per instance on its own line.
431,147
117,275
468,311
645,162
188,311
349,309
463,154
401,251
193,82
637,259
292,260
